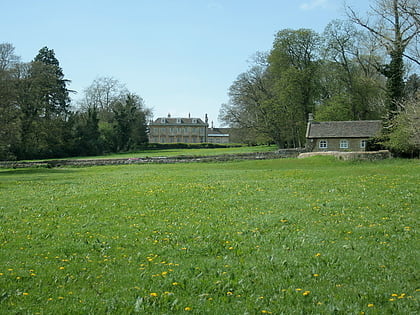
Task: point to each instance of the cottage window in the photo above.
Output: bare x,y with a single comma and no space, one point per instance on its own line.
363,144
323,144
162,120
194,120
344,144
178,120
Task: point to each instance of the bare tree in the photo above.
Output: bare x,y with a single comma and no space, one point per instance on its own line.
395,24
7,56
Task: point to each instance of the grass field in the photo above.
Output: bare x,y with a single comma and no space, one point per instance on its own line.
287,236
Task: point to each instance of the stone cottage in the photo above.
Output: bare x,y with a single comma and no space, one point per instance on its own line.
341,135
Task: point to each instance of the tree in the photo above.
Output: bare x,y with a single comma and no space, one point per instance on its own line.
44,104
120,117
9,111
274,97
404,137
351,85
101,94
293,65
130,123
246,111
396,27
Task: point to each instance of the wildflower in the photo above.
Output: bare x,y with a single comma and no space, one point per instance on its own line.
153,294
371,305
175,283
317,254
316,275
266,312
306,293
61,297
229,293
25,293
61,268
187,308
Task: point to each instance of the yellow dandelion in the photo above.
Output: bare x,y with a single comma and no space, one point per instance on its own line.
187,308
317,254
371,305
229,293
316,275
306,293
153,294
61,268
25,293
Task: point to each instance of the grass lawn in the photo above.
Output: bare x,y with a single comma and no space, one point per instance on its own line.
286,236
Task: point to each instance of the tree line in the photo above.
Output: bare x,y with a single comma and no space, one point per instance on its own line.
38,119
357,69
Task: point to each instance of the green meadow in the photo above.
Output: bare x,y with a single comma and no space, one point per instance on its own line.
284,236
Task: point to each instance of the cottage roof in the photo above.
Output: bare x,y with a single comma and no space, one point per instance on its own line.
178,121
344,129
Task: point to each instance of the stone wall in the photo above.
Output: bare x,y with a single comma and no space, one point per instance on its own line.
346,156
155,160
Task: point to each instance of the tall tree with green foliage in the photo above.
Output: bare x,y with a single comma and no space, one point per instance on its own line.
9,110
294,64
44,102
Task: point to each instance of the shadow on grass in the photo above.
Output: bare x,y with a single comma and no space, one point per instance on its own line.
35,171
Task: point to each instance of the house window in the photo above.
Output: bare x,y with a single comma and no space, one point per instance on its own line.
162,120
194,120
178,120
323,144
363,144
344,144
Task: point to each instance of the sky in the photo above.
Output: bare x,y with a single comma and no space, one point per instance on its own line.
180,56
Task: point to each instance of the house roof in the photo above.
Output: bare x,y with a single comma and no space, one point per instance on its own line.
344,129
178,121
218,132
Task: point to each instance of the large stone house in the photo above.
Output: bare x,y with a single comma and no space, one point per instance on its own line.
176,130
341,135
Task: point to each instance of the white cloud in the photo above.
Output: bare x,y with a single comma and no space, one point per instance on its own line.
314,4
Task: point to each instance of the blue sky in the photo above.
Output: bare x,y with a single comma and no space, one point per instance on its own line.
180,56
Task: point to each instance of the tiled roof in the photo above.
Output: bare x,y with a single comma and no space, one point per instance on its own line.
218,132
178,121
344,129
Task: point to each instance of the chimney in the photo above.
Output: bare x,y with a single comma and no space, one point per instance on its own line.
310,117
169,115
206,119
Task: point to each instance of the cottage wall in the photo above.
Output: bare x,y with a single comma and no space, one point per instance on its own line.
333,144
